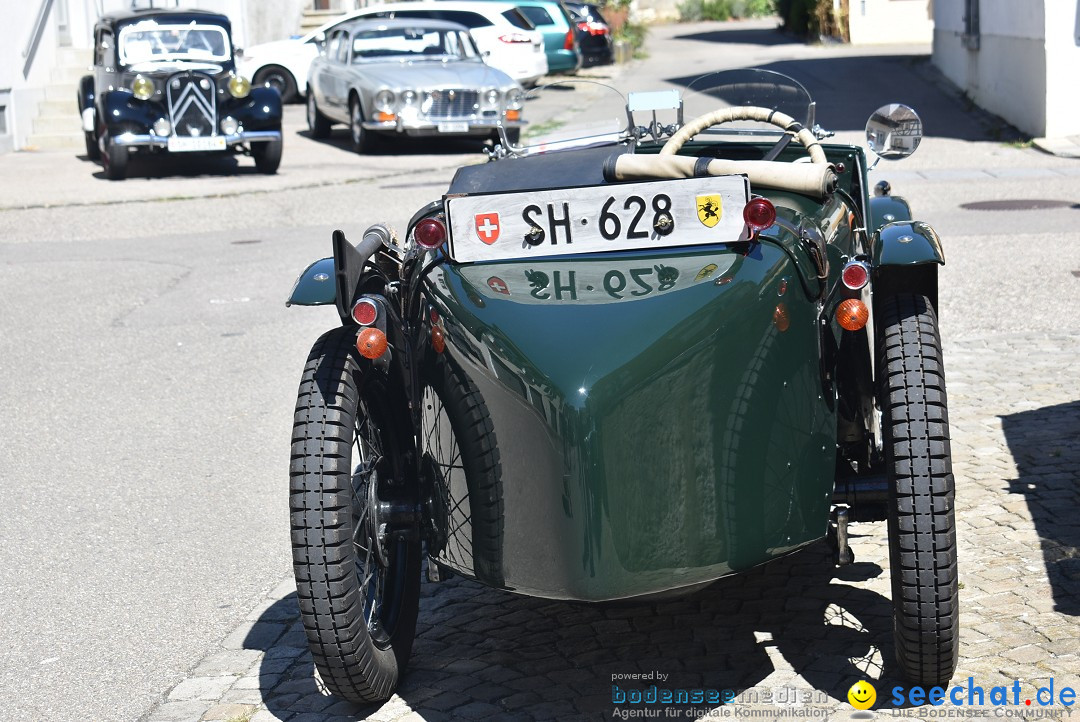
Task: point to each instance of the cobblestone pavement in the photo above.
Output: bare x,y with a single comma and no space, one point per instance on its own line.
796,627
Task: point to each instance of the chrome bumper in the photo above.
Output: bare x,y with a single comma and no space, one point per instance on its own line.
150,140
431,127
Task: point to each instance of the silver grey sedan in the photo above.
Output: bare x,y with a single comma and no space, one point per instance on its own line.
416,77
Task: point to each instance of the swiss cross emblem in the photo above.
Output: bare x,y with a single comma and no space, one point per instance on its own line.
487,227
498,285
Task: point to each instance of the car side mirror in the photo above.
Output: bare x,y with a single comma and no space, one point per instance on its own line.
894,131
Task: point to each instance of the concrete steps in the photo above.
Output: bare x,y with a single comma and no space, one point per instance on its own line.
57,125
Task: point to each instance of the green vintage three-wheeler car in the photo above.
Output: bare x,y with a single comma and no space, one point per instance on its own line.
623,364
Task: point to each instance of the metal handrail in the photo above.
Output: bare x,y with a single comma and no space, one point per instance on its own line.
35,37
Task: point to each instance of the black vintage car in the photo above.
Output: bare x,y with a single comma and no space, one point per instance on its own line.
165,80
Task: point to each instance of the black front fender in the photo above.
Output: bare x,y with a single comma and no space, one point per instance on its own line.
260,110
121,112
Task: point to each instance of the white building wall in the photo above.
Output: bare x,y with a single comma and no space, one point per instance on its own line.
21,87
1022,64
890,21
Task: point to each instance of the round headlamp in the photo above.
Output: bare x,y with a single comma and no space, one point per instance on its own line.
409,97
142,87
162,127
239,86
229,125
491,97
514,99
384,100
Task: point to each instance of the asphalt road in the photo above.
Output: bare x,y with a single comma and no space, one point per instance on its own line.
149,364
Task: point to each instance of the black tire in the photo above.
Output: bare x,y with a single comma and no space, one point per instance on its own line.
115,160
361,138
360,635
279,79
458,439
318,124
921,510
267,156
92,150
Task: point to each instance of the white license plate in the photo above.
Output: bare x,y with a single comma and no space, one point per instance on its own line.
570,221
188,145
594,280
461,127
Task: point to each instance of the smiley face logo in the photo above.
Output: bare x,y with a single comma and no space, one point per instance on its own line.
862,695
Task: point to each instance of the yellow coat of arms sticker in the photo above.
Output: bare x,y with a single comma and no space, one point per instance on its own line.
709,210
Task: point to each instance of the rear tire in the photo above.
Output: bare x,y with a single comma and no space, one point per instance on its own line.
921,510
267,156
279,79
318,124
92,150
357,567
458,440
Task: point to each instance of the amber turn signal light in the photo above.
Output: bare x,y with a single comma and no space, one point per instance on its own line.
852,314
371,343
780,318
438,339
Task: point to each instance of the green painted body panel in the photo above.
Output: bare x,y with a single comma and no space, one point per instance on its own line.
655,442
888,209
906,244
315,286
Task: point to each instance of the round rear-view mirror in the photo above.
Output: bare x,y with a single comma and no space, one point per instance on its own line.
894,131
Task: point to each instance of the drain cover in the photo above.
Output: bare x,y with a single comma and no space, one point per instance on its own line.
1018,204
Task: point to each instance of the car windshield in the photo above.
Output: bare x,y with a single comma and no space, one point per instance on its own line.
412,43
155,41
748,87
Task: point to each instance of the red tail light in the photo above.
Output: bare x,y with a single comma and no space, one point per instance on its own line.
569,44
365,312
514,38
759,214
855,275
430,233
583,27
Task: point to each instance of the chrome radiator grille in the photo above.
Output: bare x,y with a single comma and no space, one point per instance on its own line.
192,99
453,104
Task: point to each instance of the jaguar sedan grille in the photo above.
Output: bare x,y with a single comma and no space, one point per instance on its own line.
453,104
192,100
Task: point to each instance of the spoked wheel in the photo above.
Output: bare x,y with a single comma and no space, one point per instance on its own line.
355,534
461,465
922,527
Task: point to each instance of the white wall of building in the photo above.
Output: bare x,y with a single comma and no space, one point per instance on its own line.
1022,64
19,92
890,21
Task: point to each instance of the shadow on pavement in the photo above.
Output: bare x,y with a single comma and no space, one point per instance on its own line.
848,89
482,653
404,145
759,36
1044,445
